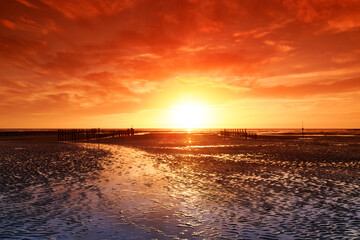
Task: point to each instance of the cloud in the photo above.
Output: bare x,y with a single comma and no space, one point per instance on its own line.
309,77
308,89
26,3
334,15
8,24
349,22
90,8
88,56
344,58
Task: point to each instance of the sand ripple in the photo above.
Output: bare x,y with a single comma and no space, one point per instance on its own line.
90,191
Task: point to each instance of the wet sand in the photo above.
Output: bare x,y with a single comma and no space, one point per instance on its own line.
181,186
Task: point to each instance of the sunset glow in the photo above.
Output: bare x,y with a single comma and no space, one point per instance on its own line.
189,116
116,63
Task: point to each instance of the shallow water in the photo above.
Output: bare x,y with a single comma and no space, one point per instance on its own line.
183,194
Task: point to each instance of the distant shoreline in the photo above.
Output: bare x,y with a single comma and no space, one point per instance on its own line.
148,137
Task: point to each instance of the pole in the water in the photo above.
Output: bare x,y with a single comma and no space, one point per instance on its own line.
302,129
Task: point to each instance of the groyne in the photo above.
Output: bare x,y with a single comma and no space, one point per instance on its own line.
25,133
72,135
238,133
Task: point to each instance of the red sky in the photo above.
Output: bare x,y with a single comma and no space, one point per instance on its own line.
251,63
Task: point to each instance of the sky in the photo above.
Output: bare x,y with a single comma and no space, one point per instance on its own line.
179,63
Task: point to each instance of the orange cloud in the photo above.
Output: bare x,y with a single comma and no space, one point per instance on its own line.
91,57
8,24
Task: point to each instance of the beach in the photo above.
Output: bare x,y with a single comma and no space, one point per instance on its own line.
181,186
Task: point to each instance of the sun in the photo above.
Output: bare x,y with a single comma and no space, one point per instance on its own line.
189,116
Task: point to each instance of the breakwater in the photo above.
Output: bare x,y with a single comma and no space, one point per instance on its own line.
66,135
238,133
25,133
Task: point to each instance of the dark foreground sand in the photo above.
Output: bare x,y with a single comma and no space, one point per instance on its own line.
181,186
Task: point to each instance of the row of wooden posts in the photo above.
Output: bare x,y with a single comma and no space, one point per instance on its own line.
24,133
91,134
238,133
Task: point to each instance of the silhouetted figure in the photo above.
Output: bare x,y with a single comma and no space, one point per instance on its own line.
132,131
128,132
